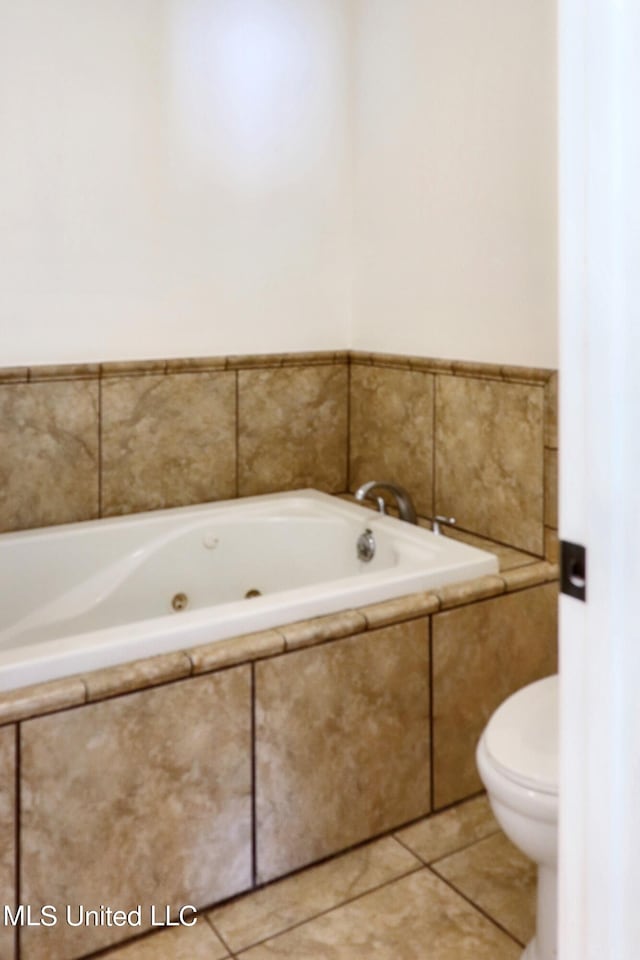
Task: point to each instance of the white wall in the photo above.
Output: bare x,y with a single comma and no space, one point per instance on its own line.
178,177
455,179
174,178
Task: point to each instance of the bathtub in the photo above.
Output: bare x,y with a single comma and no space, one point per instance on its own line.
88,595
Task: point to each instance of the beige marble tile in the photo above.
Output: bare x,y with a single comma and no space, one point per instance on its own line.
529,576
167,440
48,453
551,545
7,835
41,698
14,374
195,364
469,591
65,371
499,879
489,462
180,943
143,799
401,608
432,364
136,675
469,368
132,368
551,412
520,374
342,744
481,654
444,833
551,488
292,429
392,430
227,653
300,359
415,918
306,633
242,361
281,905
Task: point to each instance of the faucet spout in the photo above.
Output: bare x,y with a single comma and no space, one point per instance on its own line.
404,503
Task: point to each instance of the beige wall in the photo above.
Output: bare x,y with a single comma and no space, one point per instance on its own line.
174,178
455,210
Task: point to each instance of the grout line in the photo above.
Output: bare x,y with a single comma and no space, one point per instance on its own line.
403,843
237,434
500,543
453,805
18,799
476,906
211,924
337,906
254,826
100,490
465,846
544,472
349,385
431,715
433,446
450,853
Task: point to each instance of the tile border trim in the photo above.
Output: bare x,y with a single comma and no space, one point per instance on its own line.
137,368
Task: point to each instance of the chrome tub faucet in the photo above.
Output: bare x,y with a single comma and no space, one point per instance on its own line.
405,506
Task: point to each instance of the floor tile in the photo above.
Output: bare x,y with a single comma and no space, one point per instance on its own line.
273,909
415,918
450,830
179,943
499,879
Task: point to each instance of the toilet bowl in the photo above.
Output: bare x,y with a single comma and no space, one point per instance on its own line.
517,759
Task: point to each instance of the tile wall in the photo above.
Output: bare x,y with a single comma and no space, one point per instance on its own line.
474,441
154,806
79,443
482,653
355,712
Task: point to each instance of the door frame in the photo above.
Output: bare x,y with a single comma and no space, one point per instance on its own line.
599,302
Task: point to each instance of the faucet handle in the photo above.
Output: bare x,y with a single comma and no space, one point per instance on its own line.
437,520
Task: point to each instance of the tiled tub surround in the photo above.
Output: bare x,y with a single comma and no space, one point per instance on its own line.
475,441
247,759
463,648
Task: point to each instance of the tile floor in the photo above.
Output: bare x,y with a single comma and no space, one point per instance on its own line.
450,887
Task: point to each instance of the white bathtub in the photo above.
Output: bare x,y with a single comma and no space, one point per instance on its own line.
87,595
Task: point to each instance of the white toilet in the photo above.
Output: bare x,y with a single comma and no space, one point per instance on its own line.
517,759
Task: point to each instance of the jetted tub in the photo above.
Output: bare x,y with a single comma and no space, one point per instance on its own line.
87,595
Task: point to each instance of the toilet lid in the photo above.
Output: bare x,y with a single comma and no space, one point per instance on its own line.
522,736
